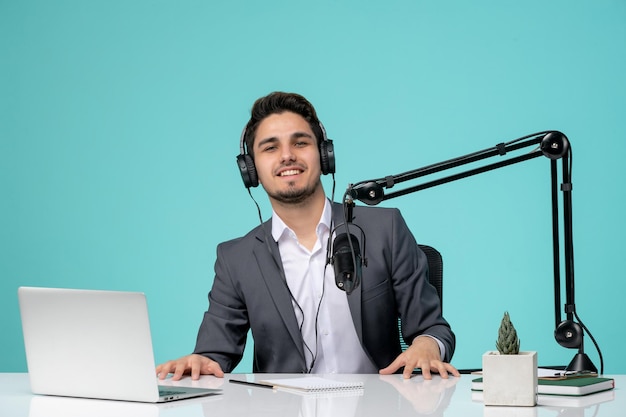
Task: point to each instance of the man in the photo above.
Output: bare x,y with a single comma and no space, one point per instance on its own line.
276,282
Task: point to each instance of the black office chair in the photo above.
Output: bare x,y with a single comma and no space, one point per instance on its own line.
435,277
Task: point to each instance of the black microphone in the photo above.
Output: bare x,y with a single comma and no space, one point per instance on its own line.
347,274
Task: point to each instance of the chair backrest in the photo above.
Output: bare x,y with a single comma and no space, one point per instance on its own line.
435,269
435,278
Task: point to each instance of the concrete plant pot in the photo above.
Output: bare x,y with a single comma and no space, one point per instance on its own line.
510,380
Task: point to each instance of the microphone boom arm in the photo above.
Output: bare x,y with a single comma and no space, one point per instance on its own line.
552,144
371,192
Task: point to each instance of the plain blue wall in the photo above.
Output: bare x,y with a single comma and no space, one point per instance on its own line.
120,121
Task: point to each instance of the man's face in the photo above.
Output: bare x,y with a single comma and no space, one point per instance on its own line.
287,158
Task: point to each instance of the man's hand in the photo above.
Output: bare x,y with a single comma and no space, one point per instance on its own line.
424,354
194,364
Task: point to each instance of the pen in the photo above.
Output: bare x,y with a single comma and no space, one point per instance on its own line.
254,384
575,374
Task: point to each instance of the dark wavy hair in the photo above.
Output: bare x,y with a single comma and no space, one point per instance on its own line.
276,103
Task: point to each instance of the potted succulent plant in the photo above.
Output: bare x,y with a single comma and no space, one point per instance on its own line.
509,375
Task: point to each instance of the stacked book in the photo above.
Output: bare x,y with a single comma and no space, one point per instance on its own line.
566,386
574,390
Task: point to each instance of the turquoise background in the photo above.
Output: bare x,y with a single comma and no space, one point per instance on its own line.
120,122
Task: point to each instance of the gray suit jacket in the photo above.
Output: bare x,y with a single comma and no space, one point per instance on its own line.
249,292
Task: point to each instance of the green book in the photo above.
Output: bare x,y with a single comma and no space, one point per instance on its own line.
567,386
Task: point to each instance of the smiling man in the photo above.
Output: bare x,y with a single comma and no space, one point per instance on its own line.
276,280
287,158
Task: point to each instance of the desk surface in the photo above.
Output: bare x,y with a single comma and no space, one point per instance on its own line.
381,396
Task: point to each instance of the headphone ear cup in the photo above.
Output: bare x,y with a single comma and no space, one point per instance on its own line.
247,170
327,157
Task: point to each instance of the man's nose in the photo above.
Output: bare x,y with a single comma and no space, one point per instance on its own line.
287,154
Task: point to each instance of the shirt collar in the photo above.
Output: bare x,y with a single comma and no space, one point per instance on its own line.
279,228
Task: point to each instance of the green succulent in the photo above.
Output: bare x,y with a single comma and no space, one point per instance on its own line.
508,342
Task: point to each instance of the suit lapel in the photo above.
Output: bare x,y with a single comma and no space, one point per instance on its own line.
270,266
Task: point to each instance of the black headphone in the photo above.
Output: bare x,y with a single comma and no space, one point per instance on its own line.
245,162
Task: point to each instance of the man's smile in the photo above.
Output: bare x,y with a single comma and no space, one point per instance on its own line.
289,172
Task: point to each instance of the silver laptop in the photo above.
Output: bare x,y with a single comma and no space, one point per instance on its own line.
92,344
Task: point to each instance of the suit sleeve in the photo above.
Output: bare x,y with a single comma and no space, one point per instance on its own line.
223,332
418,303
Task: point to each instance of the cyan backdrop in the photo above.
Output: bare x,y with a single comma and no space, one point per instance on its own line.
120,121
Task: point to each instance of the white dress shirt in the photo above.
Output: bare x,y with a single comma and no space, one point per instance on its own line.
322,311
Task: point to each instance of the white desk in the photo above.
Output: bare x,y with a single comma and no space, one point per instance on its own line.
382,396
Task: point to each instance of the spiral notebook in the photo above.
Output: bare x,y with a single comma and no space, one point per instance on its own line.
313,384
